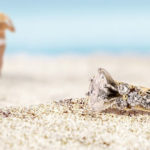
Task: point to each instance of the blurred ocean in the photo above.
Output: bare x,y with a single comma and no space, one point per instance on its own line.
78,27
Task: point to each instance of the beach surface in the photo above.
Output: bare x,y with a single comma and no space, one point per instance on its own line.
29,119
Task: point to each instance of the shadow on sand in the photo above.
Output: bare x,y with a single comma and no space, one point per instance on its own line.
126,113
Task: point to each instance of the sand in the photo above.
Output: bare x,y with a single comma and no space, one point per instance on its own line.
29,119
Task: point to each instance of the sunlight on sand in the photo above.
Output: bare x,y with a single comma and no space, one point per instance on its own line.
29,119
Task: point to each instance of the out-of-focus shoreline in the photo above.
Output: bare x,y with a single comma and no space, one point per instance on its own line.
37,79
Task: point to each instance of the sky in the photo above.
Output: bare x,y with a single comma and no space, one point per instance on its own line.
78,26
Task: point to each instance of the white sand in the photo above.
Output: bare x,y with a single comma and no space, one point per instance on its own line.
32,80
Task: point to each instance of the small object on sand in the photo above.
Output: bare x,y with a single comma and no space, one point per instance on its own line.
105,92
5,23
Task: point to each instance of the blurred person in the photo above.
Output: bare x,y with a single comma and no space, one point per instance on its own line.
5,23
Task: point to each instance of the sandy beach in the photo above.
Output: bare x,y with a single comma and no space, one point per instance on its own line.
29,119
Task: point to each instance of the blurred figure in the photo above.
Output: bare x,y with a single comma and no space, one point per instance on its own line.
5,23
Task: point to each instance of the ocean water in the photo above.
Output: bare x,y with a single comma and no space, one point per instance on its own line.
78,27
80,50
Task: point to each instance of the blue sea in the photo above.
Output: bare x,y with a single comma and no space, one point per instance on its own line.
47,27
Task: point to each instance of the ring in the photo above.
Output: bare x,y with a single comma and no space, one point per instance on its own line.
104,92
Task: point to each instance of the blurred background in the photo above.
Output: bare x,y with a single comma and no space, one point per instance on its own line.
59,45
56,49
78,26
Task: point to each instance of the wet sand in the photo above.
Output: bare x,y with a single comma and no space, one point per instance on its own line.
37,81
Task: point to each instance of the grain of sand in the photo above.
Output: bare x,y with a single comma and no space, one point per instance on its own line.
29,119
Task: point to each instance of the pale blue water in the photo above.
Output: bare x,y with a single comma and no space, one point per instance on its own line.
78,26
